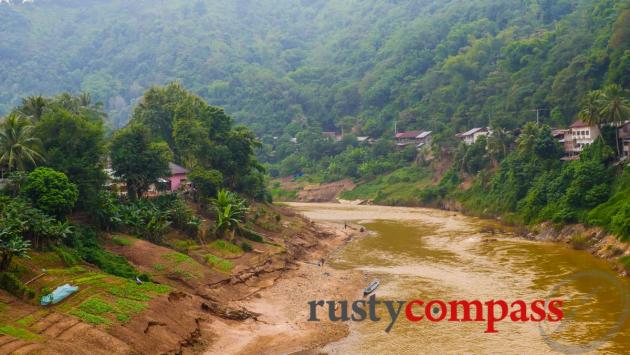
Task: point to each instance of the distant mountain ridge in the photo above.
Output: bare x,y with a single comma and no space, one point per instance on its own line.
279,66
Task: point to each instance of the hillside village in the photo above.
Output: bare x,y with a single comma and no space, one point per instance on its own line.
573,139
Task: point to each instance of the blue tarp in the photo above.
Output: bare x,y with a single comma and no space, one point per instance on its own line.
58,295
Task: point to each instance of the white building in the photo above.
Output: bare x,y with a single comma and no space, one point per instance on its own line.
580,135
471,136
418,138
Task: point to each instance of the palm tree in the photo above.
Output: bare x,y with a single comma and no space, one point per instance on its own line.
34,107
18,145
591,108
615,108
85,105
499,144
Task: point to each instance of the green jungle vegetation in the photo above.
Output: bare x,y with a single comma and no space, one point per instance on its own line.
71,192
132,86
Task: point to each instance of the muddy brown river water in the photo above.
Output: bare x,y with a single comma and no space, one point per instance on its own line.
429,254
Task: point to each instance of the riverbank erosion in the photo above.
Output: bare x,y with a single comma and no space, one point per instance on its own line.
281,304
205,296
595,240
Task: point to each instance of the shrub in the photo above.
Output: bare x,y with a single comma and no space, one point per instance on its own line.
69,257
183,217
108,213
86,244
146,219
51,191
12,284
620,222
21,219
205,182
251,235
11,245
246,247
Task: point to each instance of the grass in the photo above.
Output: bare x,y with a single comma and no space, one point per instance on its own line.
184,274
75,270
226,248
159,267
19,333
135,292
95,306
46,260
279,194
120,302
401,187
625,261
219,263
122,241
26,321
177,258
90,279
130,307
90,318
183,245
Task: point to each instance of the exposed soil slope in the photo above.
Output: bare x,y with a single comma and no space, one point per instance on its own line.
195,303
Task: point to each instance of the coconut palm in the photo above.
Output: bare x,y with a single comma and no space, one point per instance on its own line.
615,108
591,108
19,148
84,105
34,107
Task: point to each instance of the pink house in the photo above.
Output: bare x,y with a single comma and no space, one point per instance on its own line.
178,178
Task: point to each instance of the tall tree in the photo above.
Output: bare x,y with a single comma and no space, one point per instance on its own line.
33,107
75,145
615,108
139,160
19,148
590,110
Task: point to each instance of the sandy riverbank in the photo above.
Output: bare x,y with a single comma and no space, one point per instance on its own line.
282,326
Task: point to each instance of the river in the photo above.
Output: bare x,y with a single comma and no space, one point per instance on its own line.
430,254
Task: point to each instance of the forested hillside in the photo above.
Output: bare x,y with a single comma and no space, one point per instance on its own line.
278,65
